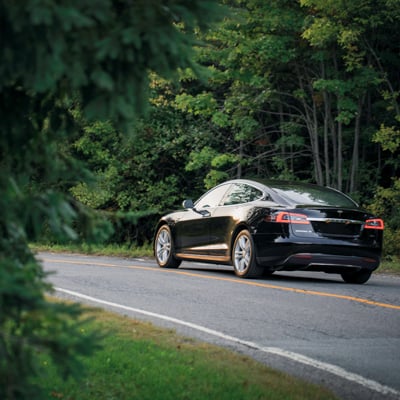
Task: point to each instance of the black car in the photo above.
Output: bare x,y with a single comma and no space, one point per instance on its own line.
260,227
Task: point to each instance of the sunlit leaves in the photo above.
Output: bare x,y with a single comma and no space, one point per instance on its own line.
203,103
321,32
388,137
201,159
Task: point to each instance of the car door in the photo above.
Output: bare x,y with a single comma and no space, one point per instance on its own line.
192,231
232,211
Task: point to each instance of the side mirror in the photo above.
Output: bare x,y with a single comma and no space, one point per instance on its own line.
188,204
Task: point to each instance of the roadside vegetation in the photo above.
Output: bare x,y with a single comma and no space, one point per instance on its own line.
97,249
390,267
136,360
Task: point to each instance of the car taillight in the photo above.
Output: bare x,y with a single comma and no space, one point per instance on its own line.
290,218
375,223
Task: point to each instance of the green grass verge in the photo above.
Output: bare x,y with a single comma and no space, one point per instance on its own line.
387,266
390,267
140,361
97,249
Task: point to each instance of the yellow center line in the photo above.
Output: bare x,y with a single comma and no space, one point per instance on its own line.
235,280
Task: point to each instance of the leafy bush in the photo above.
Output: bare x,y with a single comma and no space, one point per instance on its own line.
386,204
30,326
391,244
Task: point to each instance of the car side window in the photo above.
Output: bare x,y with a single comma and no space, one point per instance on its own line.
212,198
242,193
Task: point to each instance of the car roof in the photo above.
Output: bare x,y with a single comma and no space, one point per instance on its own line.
271,183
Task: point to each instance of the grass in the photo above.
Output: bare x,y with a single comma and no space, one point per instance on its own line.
97,249
390,267
140,361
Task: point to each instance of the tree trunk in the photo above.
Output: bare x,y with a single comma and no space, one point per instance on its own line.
340,156
241,152
311,119
327,113
356,145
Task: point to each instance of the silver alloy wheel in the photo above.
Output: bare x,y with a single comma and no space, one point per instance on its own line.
244,257
163,246
242,253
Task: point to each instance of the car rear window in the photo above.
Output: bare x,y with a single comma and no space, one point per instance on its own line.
313,195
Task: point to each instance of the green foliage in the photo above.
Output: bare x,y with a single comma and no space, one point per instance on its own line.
316,65
201,159
385,203
320,32
208,159
31,326
202,104
137,178
64,63
388,138
214,177
224,160
106,50
391,247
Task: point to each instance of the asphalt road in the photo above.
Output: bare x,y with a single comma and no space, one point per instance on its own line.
312,325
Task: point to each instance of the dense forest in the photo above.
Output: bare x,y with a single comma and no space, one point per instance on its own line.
299,90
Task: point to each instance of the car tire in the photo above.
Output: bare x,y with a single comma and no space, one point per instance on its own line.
358,277
243,256
164,248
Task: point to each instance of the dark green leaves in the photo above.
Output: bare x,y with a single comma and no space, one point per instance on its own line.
59,60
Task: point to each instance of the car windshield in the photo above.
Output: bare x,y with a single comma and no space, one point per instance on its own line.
312,195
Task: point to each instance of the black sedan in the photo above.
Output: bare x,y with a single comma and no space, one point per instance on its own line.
260,227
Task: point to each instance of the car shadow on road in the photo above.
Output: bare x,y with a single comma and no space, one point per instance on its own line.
279,276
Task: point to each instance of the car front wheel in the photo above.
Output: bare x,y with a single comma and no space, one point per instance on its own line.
164,249
243,256
358,277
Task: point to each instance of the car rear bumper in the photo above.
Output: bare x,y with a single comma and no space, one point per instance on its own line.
334,259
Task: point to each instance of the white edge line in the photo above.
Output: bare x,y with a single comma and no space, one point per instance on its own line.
333,369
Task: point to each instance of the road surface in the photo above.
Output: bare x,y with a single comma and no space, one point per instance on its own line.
312,325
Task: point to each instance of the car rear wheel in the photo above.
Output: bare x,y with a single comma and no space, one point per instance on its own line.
356,276
243,256
164,249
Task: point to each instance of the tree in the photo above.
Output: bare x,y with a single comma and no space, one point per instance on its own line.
243,61
58,58
355,39
138,177
297,90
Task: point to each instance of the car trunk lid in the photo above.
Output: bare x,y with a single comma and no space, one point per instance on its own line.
334,223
